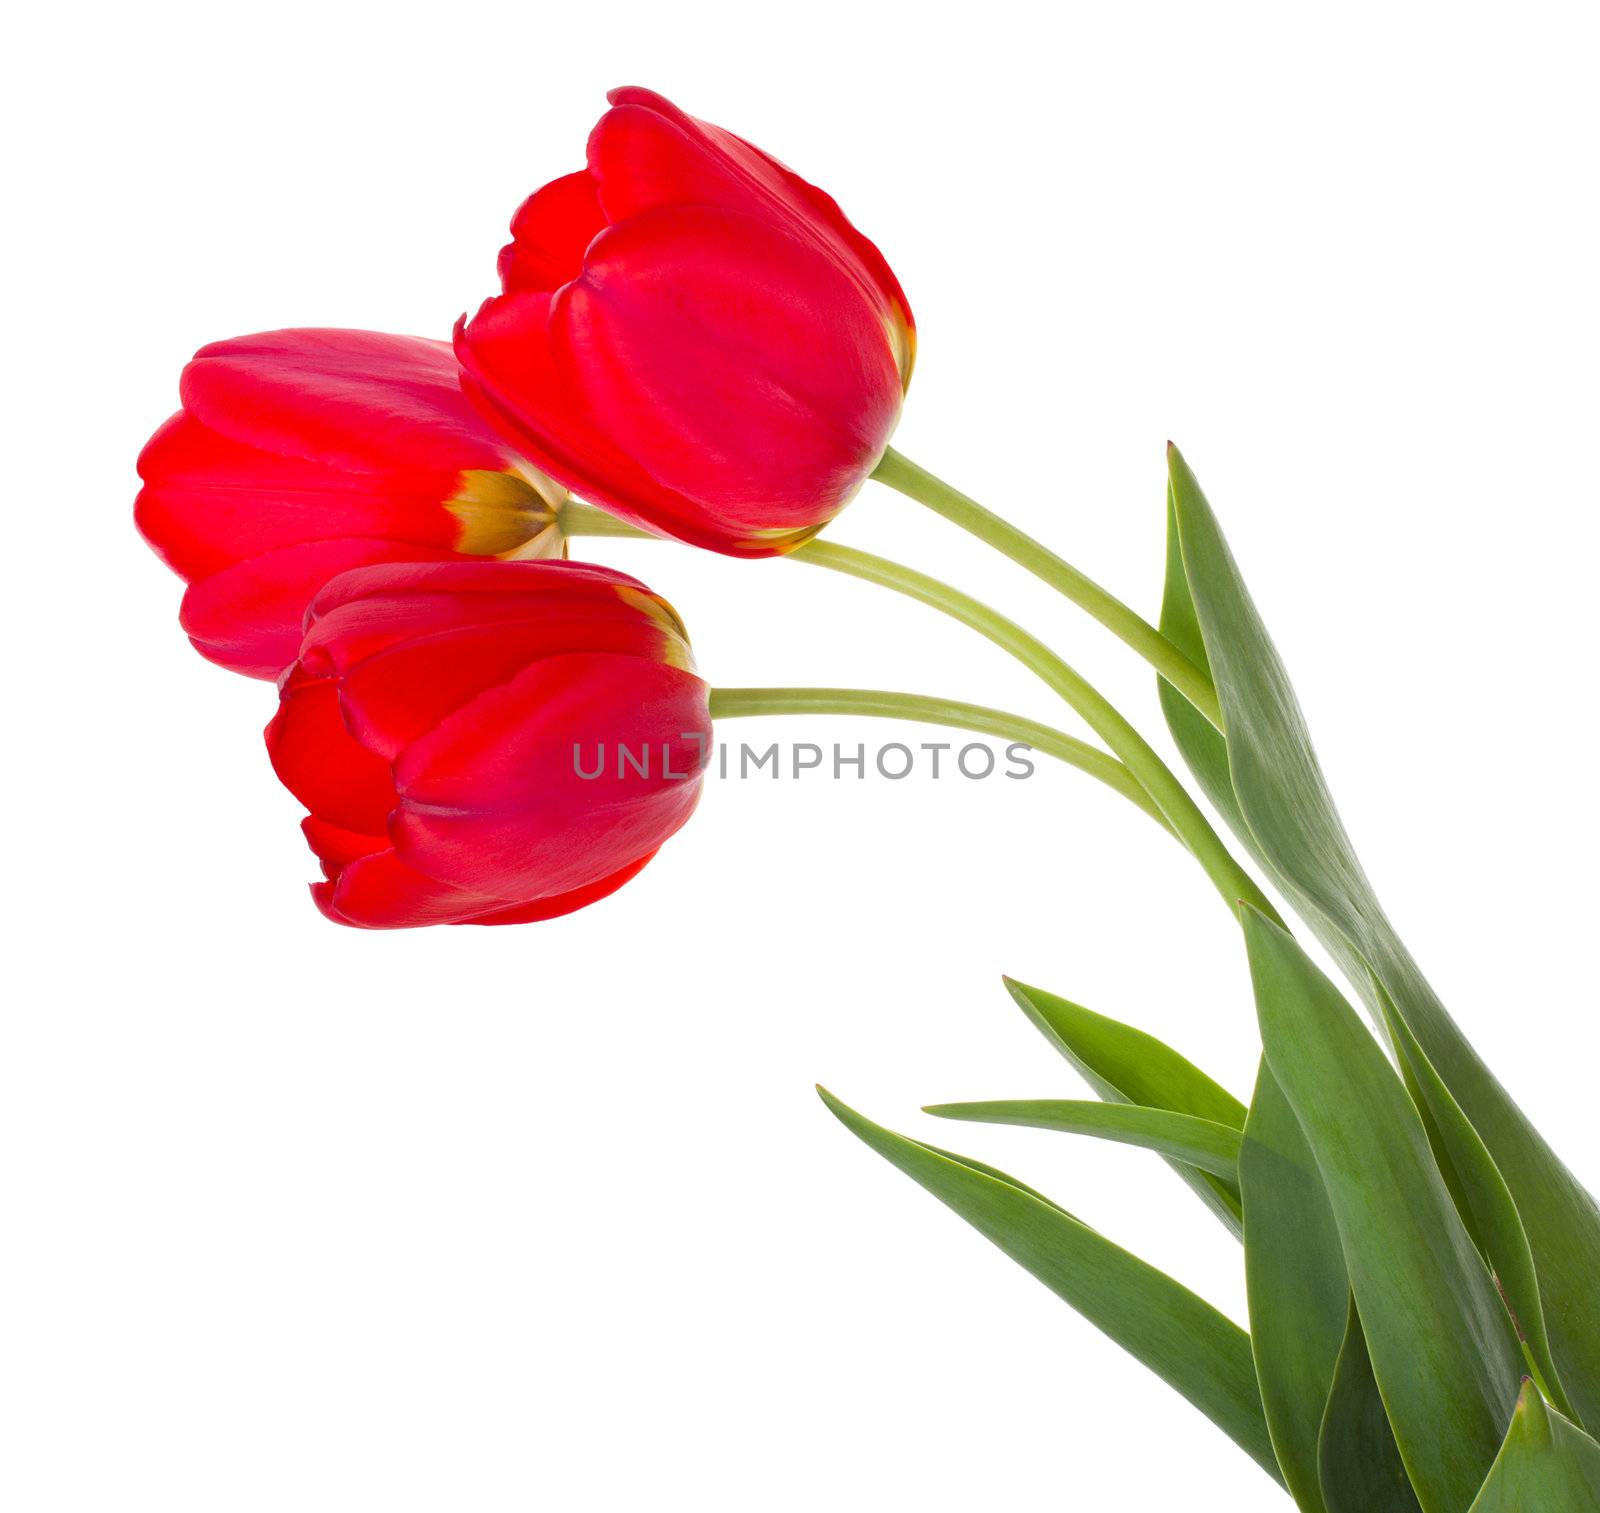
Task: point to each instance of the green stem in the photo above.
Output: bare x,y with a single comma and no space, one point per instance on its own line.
734,703
1180,813
579,519
903,475
1157,779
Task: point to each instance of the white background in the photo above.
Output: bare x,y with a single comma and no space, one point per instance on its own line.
549,1216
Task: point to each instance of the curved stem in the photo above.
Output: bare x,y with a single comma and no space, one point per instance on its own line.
734,703
1181,814
904,476
1157,779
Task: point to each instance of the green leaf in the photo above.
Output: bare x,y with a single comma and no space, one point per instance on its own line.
1196,1142
1360,1465
1546,1465
1266,782
1495,1222
1180,1337
1445,1356
1125,1065
1204,748
1295,1280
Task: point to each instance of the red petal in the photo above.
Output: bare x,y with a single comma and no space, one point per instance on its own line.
509,370
550,234
336,848
209,501
248,617
469,575
646,153
379,892
323,765
746,372
410,642
368,611
398,695
493,798
857,247
357,400
564,903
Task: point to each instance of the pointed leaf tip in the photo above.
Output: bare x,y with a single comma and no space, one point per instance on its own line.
1125,1065
1546,1462
1183,1339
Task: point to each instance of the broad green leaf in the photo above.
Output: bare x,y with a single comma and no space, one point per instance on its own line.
1266,782
1546,1465
1196,1142
1295,1280
1180,1337
1360,1465
1495,1223
1125,1065
1444,1354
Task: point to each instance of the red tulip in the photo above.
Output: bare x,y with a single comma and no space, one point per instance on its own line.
299,454
693,336
487,742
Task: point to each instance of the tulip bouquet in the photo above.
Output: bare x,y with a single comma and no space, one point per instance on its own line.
698,345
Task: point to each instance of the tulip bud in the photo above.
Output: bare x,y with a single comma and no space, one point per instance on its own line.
300,454
487,742
693,336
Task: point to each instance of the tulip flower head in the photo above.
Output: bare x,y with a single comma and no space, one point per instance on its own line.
693,336
487,742
301,454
